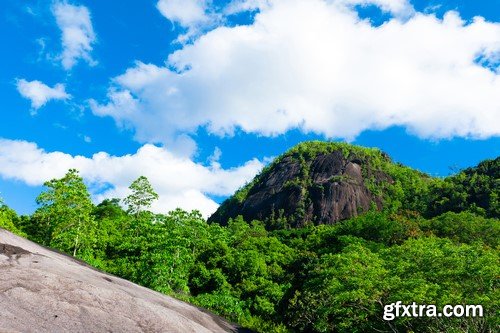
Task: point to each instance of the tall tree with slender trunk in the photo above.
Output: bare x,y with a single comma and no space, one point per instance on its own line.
142,196
66,208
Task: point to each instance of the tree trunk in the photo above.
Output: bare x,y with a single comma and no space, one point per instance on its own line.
76,239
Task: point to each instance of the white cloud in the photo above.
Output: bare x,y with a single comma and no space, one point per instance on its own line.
39,93
179,181
184,12
77,33
86,138
238,6
399,8
193,15
316,66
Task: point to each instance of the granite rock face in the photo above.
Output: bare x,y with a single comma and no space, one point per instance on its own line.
45,291
321,190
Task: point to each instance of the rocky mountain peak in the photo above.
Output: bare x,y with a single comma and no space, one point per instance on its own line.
313,183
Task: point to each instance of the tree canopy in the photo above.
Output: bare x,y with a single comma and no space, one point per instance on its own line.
65,214
142,195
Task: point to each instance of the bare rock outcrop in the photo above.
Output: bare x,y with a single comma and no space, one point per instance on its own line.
295,191
45,291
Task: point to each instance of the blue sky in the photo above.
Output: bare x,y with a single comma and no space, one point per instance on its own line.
198,95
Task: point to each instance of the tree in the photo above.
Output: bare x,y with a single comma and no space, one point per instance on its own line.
66,211
7,217
109,208
342,293
142,196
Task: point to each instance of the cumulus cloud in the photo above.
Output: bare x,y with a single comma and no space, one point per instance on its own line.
399,8
77,33
193,15
39,93
239,6
316,66
179,181
184,12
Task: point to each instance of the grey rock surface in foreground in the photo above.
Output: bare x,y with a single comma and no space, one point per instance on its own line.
45,291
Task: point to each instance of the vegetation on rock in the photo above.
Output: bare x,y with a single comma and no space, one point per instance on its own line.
324,182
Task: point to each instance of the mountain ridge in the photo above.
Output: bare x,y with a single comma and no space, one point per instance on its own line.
319,182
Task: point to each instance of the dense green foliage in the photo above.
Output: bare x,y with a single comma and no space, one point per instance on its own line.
327,278
64,219
7,217
476,189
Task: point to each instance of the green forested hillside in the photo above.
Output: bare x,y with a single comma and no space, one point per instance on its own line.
435,241
393,186
475,189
